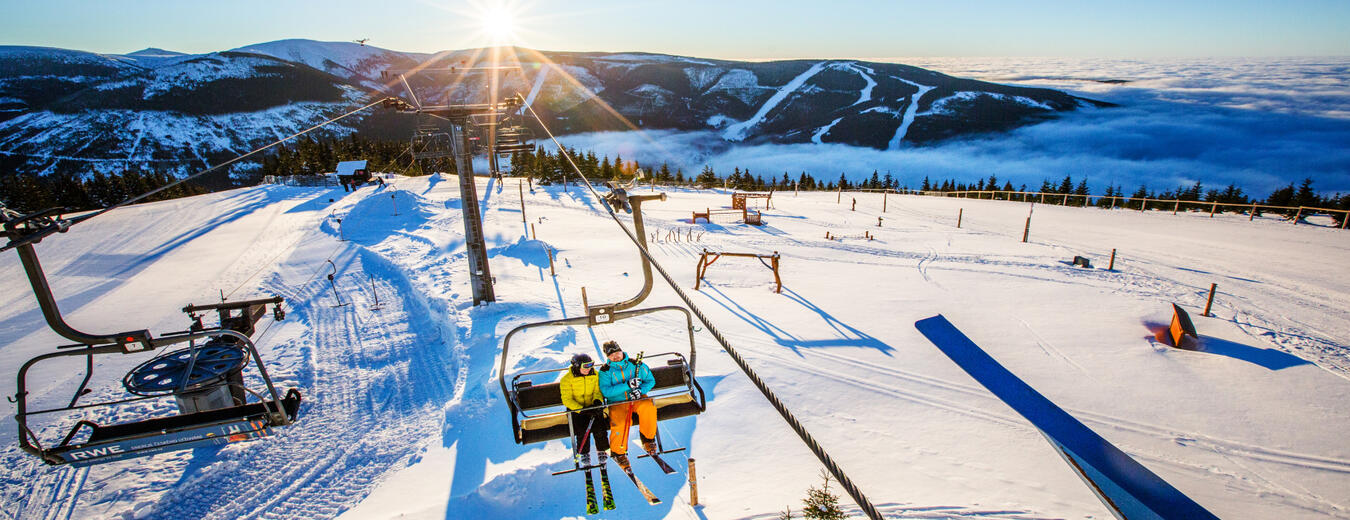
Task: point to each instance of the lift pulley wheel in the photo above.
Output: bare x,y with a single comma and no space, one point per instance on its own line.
166,373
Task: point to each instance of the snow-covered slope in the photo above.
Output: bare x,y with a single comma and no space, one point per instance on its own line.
403,415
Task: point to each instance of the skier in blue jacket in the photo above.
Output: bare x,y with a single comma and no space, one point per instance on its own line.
625,385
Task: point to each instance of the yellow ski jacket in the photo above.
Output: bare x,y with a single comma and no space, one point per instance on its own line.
579,391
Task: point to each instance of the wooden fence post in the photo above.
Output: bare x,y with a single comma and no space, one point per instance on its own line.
1027,230
1252,215
551,272
521,187
883,201
1176,207
1298,215
1112,265
959,212
693,485
1212,286
534,233
1212,208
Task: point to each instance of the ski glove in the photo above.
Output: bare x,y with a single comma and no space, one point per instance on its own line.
635,383
634,394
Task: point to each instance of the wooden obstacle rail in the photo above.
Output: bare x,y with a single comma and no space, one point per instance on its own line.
866,235
707,214
708,257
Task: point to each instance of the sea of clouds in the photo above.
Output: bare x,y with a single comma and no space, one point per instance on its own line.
1258,123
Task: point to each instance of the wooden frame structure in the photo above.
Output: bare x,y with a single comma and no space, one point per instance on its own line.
704,262
738,199
707,214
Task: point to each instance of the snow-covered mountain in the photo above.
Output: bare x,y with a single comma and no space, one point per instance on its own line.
72,111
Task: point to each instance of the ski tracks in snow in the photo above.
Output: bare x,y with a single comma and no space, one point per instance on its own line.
374,383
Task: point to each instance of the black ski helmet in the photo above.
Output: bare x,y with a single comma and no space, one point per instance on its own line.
611,347
580,359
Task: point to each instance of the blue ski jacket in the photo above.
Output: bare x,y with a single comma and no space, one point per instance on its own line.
614,378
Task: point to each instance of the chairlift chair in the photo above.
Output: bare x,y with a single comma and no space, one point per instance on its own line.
205,378
537,412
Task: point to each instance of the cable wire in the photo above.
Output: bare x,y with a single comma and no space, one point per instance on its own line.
221,165
778,405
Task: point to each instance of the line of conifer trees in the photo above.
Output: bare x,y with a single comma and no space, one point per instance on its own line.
310,156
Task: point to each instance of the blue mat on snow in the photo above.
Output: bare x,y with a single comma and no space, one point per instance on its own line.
1126,487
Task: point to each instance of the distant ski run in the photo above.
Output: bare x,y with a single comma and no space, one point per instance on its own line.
910,112
815,138
739,131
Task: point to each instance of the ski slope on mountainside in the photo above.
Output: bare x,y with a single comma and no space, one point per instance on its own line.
403,417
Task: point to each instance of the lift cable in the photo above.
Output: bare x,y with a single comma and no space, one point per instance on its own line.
778,405
83,218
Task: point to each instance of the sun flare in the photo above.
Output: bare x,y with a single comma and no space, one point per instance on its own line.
499,25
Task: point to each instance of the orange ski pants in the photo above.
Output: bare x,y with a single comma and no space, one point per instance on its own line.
621,421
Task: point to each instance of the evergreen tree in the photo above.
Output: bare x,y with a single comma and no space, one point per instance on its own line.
1066,185
706,178
925,186
820,503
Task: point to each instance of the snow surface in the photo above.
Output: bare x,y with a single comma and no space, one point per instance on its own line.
403,417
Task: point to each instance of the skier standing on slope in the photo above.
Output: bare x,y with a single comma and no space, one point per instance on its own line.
580,388
625,384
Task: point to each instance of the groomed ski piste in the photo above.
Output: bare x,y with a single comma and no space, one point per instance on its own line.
403,418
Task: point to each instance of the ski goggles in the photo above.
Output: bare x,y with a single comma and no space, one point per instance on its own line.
589,364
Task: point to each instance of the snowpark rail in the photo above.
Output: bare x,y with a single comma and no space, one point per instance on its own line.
1124,485
811,443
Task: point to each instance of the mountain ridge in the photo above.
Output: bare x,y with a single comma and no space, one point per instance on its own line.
63,110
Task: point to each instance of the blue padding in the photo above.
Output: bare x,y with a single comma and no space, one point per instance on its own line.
1127,487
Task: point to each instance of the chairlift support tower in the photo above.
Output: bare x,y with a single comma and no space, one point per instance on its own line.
459,118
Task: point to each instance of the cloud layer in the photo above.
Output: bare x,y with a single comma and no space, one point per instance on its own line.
1256,123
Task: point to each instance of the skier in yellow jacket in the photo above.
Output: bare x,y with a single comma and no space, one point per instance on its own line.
580,389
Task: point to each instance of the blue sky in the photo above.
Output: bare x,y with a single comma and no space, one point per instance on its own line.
716,29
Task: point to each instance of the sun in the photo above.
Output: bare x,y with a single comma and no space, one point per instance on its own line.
499,26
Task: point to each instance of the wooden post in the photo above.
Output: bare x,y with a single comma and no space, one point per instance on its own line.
1113,202
693,485
1345,219
522,200
1027,230
1112,265
698,269
1212,208
794,188
839,196
884,194
777,289
959,212
1252,215
1296,217
1176,207
1212,286
551,272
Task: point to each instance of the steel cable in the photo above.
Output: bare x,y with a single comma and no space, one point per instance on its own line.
773,399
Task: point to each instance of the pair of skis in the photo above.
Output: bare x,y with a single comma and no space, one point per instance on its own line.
647,493
591,506
608,495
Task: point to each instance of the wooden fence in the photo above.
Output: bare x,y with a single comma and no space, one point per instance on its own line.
1296,213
